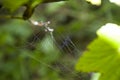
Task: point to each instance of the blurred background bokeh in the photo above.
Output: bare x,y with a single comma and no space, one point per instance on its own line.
27,52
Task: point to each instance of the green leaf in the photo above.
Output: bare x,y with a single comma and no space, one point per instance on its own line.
110,33
103,54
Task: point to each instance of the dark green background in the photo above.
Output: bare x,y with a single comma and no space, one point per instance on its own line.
27,52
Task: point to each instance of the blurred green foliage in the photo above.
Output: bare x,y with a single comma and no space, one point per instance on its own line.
30,5
27,52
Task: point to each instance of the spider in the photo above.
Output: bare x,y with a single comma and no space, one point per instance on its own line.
40,24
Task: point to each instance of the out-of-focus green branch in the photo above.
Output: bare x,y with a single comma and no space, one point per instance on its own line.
30,6
45,1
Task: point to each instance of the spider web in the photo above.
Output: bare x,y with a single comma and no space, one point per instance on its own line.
69,52
64,67
66,46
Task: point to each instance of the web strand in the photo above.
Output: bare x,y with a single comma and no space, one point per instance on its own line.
66,40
